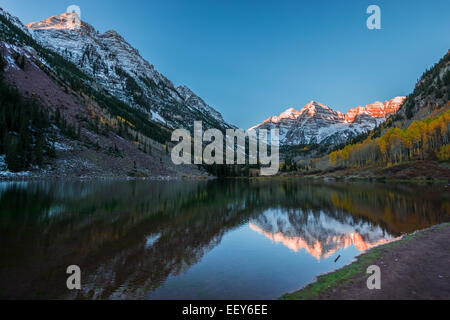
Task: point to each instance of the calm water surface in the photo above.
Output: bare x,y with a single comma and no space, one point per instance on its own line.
196,240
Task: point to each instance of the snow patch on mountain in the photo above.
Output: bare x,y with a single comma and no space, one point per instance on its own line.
15,21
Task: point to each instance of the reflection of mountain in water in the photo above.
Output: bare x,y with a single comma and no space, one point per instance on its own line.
320,234
129,237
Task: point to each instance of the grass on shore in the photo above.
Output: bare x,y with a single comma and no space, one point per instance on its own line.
351,272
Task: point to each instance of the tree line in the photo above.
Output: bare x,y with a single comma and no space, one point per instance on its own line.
421,140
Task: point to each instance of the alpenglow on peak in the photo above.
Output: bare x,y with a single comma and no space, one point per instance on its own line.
118,67
318,123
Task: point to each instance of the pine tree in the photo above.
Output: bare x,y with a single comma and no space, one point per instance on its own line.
39,150
79,132
58,117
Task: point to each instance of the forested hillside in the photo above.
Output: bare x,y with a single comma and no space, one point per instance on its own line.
431,91
422,140
23,128
420,131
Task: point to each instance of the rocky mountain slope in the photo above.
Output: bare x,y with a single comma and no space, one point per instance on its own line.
119,68
90,128
414,144
430,92
316,123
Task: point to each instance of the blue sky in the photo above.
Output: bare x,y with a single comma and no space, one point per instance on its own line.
253,59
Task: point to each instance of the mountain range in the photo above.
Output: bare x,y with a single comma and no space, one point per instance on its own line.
123,110
317,123
119,68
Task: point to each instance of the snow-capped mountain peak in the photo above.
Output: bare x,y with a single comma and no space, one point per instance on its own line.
64,21
318,123
290,113
376,110
314,104
117,67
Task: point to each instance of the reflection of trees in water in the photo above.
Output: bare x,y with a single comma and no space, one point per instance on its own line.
105,227
398,209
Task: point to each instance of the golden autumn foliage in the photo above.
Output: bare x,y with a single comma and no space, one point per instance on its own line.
420,140
125,121
444,153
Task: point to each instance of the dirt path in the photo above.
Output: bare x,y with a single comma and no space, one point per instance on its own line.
417,267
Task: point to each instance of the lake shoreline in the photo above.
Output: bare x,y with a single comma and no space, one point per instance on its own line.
350,179
419,259
31,178
424,171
